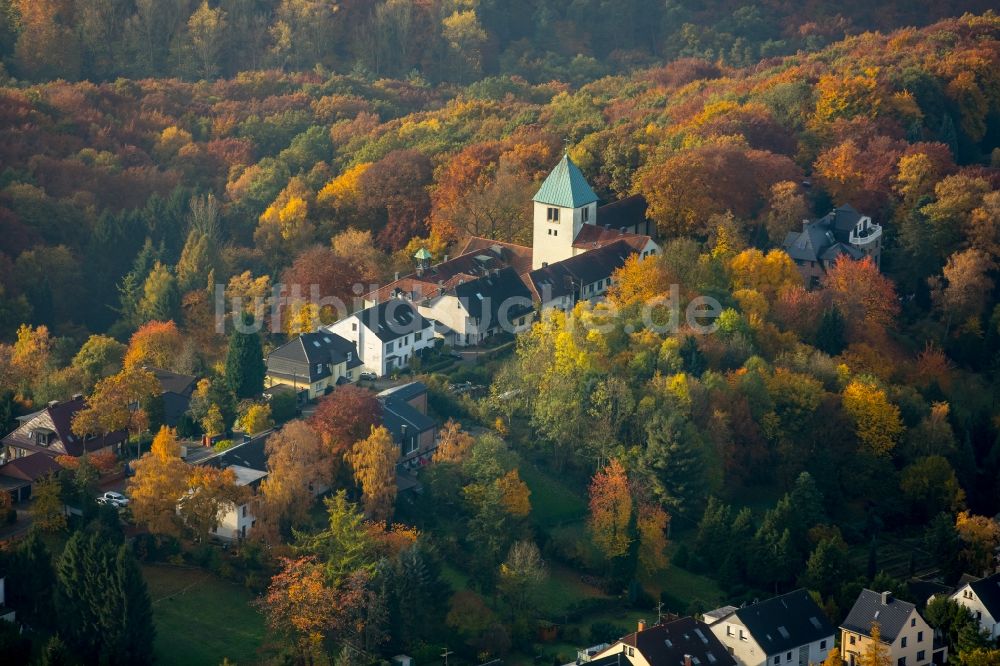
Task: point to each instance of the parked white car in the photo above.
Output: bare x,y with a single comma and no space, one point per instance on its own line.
114,499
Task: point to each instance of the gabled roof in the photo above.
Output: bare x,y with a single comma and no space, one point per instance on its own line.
249,455
565,186
405,392
558,279
516,256
785,622
870,608
667,644
310,355
988,591
393,319
592,237
61,416
30,467
501,295
627,212
173,382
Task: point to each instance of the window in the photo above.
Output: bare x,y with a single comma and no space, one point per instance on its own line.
319,368
244,510
743,635
555,232
350,356
901,661
851,641
552,215
406,339
788,657
631,652
586,213
418,336
920,637
822,645
389,346
354,326
777,659
903,642
921,655
913,622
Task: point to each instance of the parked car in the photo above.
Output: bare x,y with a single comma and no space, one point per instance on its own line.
114,499
370,376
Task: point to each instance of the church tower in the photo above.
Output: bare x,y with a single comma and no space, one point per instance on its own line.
563,204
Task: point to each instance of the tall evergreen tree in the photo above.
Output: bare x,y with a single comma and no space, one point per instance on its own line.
245,367
830,336
103,605
673,464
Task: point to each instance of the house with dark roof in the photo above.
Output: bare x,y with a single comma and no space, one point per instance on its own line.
387,335
313,363
248,461
404,414
585,276
982,598
49,431
787,630
175,392
908,638
28,453
681,642
841,232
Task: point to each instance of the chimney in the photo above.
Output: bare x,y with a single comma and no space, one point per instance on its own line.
78,396
397,276
642,625
886,598
687,660
53,403
446,257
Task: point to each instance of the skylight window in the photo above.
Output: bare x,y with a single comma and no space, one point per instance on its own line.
783,632
316,344
815,622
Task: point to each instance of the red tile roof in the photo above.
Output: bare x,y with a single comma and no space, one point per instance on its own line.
30,467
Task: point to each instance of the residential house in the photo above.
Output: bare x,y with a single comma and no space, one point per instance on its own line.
468,298
788,630
176,391
404,414
906,636
842,231
681,642
583,277
28,453
248,461
982,598
387,335
18,476
313,363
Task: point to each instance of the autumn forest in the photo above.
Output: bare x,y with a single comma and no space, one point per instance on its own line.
832,435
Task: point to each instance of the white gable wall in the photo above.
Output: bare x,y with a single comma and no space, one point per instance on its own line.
967,597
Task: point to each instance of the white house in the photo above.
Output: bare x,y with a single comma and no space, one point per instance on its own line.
681,642
387,335
982,598
238,520
788,630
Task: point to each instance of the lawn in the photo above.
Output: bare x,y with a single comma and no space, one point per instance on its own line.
552,503
201,619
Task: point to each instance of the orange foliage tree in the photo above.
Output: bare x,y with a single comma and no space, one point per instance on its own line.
156,344
610,510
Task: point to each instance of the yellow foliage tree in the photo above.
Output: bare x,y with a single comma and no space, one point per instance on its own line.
514,494
256,419
876,420
47,511
160,481
454,444
374,463
651,524
876,653
344,190
767,274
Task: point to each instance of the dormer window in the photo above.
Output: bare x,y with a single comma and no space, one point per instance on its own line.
552,214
